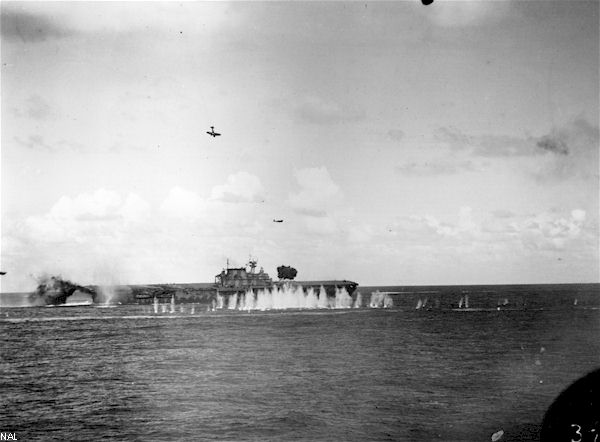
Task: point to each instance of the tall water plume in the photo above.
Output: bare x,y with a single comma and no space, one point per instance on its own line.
287,296
388,302
323,300
358,300
107,293
232,301
381,300
342,298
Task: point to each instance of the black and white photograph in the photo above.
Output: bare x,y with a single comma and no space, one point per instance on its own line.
300,220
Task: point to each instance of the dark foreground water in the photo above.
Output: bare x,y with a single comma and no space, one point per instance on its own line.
85,373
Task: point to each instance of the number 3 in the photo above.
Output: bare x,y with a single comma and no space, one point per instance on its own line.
578,432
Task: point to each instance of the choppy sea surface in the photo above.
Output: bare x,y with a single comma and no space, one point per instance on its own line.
126,373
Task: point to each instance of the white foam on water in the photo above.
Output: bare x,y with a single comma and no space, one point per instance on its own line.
287,297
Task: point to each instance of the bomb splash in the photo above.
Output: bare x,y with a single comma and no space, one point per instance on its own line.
381,300
287,297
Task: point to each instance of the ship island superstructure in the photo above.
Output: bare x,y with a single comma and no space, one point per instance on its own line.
240,279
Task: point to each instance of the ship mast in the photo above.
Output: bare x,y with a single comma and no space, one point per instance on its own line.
252,265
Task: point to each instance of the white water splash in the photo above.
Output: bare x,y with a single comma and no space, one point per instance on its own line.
342,298
381,300
107,293
232,301
388,302
288,297
358,300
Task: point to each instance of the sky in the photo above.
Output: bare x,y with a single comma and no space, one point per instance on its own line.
401,144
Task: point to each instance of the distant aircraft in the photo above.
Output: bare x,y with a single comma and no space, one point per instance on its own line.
2,273
427,2
277,220
212,132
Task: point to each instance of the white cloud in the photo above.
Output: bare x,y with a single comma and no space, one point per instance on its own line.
76,236
80,235
240,187
134,208
215,216
540,232
318,192
319,203
88,216
578,215
548,231
100,204
464,225
182,203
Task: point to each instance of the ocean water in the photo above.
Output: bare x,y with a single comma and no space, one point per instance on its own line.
125,373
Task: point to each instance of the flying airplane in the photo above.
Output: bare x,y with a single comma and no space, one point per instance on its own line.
212,132
277,220
2,273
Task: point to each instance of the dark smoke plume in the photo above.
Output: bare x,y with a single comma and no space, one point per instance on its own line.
554,145
54,290
286,272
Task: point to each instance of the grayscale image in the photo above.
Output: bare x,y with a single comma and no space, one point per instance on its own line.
300,221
